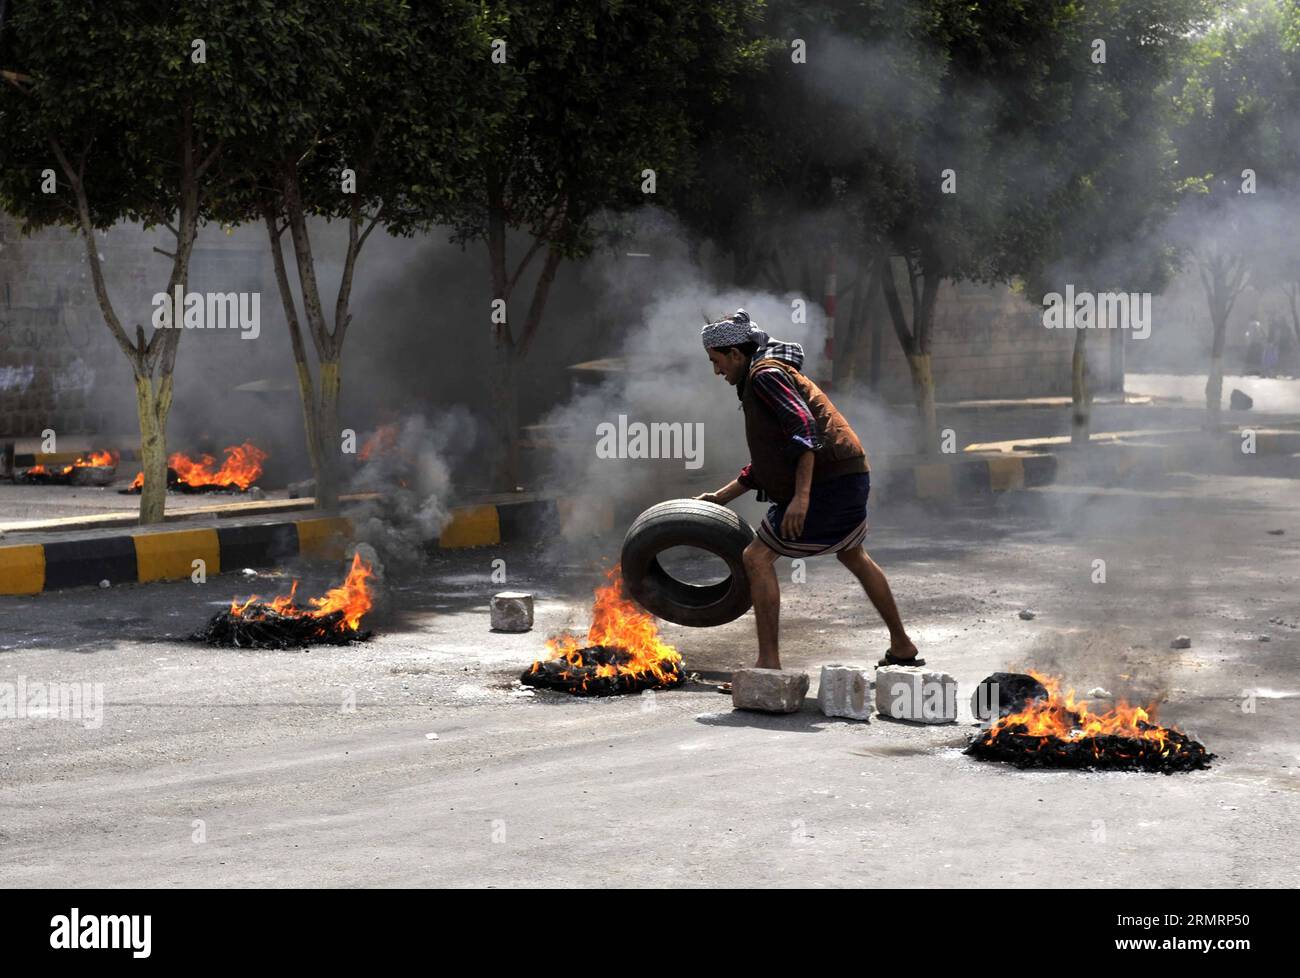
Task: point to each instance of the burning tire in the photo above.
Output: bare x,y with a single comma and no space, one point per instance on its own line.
687,523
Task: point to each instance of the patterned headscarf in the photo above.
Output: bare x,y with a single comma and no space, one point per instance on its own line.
732,331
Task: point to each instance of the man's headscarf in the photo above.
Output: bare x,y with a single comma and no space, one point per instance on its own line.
738,328
734,330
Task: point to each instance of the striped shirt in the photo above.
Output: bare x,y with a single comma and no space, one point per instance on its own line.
773,389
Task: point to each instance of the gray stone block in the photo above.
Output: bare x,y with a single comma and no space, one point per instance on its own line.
768,690
512,611
845,691
916,694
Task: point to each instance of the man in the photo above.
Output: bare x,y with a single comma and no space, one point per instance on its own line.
808,462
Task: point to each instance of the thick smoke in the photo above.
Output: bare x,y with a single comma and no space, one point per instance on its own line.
409,464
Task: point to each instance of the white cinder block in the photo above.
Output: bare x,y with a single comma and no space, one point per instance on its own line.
768,690
512,611
916,694
845,691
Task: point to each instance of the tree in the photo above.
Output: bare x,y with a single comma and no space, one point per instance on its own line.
940,139
379,127
595,107
1237,134
123,114
1118,184
785,157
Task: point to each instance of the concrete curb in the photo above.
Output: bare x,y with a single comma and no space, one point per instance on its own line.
169,554
31,568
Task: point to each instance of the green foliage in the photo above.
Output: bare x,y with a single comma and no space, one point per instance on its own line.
115,86
1238,108
386,89
590,96
1004,92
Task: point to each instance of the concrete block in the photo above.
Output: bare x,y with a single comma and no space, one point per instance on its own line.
512,611
845,691
917,694
768,690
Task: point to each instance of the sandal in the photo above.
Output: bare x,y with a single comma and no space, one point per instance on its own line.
891,660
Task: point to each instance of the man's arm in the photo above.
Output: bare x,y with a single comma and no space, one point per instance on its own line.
726,494
797,511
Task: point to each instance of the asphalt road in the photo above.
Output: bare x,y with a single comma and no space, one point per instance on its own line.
229,768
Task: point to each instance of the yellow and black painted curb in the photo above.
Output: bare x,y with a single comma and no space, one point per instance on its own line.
29,568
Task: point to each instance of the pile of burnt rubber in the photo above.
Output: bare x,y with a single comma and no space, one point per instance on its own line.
595,671
1038,728
1104,752
259,626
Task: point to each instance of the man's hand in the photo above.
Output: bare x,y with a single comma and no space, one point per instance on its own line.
732,490
792,522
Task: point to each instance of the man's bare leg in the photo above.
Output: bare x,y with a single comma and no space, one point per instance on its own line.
760,566
873,581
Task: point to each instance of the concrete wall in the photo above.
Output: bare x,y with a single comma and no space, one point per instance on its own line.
51,335
59,366
989,343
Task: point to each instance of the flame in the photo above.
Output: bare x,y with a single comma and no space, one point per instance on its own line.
353,597
382,441
106,458
241,467
1063,717
617,621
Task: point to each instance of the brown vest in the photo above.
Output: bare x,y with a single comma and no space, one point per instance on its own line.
769,452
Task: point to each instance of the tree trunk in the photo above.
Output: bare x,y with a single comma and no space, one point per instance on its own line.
877,325
153,407
1081,415
327,429
1223,278
916,347
850,337
505,414
1291,292
1214,381
1214,392
927,431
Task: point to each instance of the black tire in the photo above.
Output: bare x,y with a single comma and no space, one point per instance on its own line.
687,523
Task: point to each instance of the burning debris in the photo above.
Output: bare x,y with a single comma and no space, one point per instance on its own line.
240,469
381,441
622,652
280,623
95,469
1055,731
